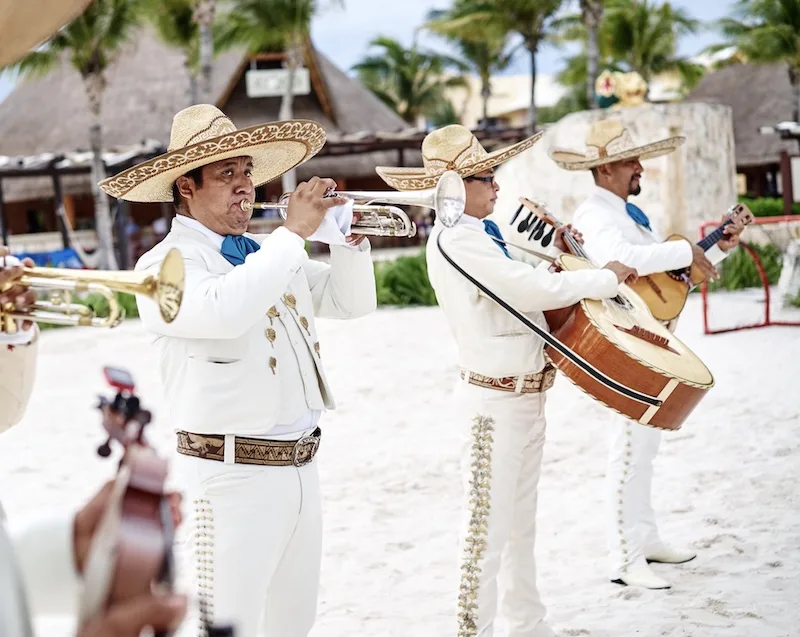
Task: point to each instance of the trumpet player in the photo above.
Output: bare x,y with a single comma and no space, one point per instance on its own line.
499,397
241,364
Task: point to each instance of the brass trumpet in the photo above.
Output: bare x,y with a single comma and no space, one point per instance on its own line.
447,199
166,289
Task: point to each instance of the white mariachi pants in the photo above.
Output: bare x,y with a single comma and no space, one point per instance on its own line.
632,531
503,435
256,542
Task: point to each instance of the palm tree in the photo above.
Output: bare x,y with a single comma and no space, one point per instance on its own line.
592,16
634,35
203,17
175,24
411,81
531,19
272,25
485,57
643,36
766,31
91,43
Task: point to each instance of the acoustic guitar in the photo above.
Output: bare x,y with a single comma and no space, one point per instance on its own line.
615,351
666,292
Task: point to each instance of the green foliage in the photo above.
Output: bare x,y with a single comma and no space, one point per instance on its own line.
634,35
99,305
411,81
404,282
768,206
794,301
265,25
175,25
92,40
443,114
764,31
738,270
574,101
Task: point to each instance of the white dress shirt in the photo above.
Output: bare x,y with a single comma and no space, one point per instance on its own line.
297,358
610,234
491,341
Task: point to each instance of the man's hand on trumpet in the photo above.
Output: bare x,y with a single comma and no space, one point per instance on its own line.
14,296
355,239
308,206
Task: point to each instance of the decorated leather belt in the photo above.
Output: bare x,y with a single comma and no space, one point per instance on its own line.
531,383
273,453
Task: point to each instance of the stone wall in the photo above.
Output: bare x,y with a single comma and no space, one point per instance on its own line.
680,190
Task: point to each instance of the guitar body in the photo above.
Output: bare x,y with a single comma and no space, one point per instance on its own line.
665,293
630,346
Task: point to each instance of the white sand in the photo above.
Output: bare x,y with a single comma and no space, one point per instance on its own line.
727,484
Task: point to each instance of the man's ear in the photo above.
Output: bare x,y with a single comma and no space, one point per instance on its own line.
185,186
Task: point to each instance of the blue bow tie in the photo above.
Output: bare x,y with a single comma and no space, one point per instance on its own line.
493,231
635,213
235,247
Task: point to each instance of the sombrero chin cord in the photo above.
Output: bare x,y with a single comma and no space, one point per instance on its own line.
551,340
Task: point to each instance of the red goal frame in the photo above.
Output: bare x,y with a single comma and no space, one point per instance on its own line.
767,321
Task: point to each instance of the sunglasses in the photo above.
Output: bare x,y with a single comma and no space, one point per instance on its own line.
488,180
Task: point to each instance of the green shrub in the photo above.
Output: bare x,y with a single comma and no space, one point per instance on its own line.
739,271
404,281
99,304
768,206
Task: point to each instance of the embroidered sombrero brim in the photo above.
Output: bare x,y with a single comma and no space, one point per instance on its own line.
26,24
276,148
573,160
420,179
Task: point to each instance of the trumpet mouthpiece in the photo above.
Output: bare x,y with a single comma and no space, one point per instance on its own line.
246,205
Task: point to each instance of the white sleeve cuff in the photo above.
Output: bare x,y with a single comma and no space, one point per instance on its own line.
21,337
715,254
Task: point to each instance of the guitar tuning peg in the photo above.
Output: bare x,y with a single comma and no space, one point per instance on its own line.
104,450
219,631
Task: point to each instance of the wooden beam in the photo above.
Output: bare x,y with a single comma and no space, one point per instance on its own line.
3,220
786,183
58,195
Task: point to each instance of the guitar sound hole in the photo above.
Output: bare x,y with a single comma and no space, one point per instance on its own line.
622,302
678,275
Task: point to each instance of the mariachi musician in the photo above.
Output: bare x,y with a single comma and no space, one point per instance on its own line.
500,392
242,365
614,228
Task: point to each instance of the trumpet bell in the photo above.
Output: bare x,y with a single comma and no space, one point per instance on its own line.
165,289
448,198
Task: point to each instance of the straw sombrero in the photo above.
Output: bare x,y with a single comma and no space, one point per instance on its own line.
450,148
203,134
24,24
608,141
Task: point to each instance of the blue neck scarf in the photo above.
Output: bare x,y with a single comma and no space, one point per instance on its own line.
635,213
235,247
493,231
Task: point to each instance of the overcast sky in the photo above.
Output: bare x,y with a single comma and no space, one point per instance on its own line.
344,34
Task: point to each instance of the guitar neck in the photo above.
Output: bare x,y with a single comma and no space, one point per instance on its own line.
715,236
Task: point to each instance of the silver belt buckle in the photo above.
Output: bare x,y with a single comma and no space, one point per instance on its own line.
298,446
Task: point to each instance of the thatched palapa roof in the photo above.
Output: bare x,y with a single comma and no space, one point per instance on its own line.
149,84
760,95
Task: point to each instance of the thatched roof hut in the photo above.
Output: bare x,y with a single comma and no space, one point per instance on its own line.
760,95
149,84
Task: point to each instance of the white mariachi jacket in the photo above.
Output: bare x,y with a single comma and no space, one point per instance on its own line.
37,569
491,341
610,234
221,359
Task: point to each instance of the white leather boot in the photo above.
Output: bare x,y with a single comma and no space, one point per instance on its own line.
670,555
643,577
